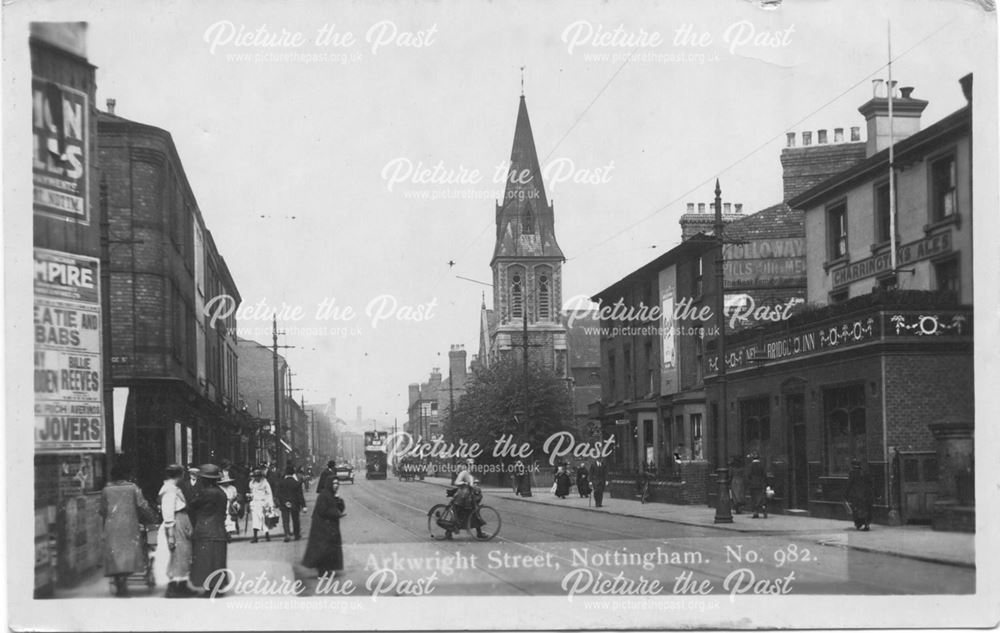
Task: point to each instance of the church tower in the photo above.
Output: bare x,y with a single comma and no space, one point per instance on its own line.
527,262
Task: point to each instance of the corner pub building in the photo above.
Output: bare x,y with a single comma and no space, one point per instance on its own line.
880,367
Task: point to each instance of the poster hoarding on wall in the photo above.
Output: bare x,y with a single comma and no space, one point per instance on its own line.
69,408
60,169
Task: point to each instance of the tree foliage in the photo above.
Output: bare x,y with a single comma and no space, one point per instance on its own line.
495,396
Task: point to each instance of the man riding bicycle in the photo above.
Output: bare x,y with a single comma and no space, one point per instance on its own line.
465,500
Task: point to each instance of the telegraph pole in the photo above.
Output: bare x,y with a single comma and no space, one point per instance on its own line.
277,390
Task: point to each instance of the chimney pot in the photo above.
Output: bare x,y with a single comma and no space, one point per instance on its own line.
807,139
906,92
891,88
966,83
701,207
727,207
111,106
877,88
838,135
855,133
690,207
821,137
739,207
790,136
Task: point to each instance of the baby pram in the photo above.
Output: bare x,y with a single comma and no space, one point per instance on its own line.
145,576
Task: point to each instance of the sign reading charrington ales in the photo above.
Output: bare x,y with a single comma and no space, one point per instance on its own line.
68,394
59,162
837,335
913,252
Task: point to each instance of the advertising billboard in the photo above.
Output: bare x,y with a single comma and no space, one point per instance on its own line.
69,416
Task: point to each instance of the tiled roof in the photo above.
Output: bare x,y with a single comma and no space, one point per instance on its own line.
775,222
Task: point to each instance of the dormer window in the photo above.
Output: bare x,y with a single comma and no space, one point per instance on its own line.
528,221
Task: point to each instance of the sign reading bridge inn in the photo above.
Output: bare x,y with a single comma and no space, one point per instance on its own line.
870,327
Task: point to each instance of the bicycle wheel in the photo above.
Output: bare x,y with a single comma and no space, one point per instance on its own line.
438,517
489,522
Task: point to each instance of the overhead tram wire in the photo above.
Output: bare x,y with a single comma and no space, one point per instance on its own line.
761,146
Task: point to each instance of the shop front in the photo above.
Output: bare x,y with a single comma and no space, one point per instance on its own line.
863,381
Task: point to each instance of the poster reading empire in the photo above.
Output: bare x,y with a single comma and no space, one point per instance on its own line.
67,322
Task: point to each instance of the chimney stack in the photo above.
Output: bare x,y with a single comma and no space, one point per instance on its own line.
906,113
457,366
414,393
111,106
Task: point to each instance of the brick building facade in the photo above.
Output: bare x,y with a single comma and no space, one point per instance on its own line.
880,368
174,366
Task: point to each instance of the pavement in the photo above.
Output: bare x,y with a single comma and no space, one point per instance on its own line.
914,542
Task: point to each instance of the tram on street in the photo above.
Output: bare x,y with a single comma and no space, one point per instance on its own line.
376,458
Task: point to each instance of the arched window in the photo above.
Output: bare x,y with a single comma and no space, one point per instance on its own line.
543,277
516,279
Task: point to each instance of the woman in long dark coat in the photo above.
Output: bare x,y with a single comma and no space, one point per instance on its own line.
209,539
123,509
583,480
860,495
324,551
562,482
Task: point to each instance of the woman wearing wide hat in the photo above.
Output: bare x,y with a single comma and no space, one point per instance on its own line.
228,486
261,499
209,538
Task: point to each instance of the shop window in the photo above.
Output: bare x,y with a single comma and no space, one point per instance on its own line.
882,213
946,274
755,423
836,226
680,450
846,434
697,437
649,446
943,179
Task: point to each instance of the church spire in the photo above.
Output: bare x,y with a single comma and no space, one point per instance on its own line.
525,223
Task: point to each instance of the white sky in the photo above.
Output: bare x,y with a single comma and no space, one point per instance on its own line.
311,140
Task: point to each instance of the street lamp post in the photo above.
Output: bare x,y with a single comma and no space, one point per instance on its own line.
723,507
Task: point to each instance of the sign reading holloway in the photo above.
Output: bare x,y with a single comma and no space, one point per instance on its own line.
68,394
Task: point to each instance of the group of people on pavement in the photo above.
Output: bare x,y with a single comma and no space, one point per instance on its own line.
590,479
194,508
199,510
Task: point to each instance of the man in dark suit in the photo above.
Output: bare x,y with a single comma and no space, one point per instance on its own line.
189,484
292,501
324,477
599,479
